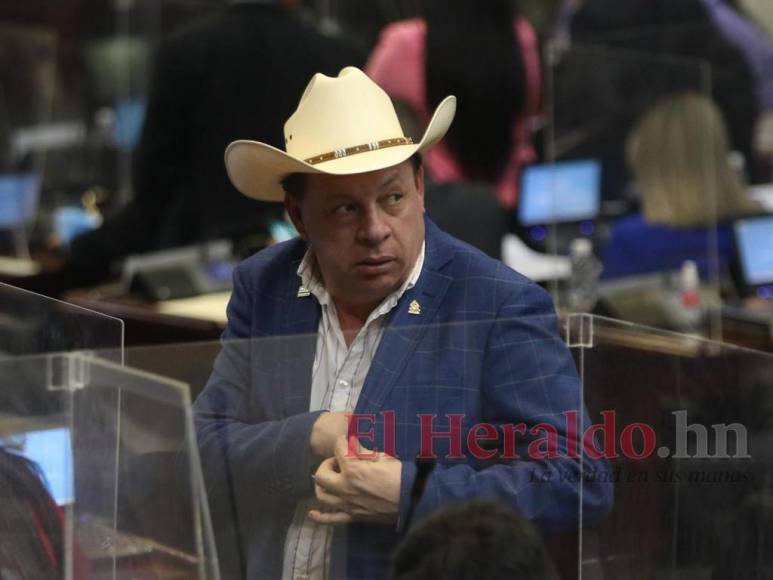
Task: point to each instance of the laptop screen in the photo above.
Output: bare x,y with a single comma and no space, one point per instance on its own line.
129,117
51,451
754,240
19,195
566,191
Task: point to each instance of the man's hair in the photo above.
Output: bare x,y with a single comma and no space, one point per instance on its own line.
294,184
470,541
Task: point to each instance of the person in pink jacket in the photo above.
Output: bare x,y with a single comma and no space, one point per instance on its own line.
488,57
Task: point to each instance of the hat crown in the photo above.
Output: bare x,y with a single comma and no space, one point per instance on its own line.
338,113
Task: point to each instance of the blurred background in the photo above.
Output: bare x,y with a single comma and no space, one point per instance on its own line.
616,151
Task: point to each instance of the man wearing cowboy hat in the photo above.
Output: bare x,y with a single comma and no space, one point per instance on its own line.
375,312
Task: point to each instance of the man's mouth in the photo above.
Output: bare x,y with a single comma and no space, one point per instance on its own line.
373,266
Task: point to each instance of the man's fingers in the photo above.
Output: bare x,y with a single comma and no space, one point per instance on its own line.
333,518
328,467
327,475
328,499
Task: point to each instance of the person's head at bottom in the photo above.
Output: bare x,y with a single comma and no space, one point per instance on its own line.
473,541
352,183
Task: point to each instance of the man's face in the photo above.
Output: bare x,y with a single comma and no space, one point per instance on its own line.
366,230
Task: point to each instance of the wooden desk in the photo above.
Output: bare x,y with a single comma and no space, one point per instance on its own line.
751,327
148,323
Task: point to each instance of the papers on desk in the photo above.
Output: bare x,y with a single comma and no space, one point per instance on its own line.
209,307
18,267
538,267
763,194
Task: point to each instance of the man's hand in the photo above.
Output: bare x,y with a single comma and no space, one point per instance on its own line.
357,485
325,432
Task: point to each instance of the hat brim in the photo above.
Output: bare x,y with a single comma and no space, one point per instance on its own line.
257,169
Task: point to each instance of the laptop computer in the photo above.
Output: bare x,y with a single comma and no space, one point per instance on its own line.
561,192
564,193
754,249
19,196
50,450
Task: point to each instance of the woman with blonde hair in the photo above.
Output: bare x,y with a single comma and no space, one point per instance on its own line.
680,158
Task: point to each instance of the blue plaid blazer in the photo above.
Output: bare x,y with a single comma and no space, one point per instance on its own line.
485,345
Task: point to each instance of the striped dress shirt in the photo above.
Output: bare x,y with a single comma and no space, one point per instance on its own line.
338,374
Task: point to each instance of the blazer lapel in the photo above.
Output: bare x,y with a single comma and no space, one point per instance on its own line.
408,322
298,334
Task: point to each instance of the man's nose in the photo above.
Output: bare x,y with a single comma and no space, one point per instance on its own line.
374,228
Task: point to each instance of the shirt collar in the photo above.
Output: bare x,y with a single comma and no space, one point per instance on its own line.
312,282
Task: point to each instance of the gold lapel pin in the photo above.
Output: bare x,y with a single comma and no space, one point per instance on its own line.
414,308
303,292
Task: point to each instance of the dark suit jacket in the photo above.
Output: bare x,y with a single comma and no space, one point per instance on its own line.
485,345
237,75
470,212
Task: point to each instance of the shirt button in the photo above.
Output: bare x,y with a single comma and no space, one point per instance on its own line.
343,383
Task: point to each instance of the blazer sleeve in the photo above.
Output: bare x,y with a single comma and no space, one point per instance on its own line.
528,377
252,460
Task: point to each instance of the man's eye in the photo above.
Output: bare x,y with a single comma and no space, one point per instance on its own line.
394,198
344,209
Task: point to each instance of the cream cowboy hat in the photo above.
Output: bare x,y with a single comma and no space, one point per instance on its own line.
343,125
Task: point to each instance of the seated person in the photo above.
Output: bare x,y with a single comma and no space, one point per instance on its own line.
31,524
480,539
678,153
470,212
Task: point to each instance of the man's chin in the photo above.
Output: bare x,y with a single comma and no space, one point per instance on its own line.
376,289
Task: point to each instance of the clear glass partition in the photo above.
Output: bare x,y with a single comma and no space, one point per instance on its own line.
111,480
255,410
640,168
685,427
679,430
685,420
34,324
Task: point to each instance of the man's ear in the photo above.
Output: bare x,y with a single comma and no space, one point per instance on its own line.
418,177
294,211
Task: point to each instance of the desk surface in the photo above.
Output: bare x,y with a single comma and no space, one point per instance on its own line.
187,320
203,318
209,307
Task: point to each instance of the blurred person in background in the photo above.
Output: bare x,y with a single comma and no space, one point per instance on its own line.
757,47
472,541
31,524
488,56
761,11
233,75
749,39
626,54
679,155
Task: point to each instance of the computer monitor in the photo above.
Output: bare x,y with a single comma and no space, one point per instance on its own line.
754,246
561,192
50,450
19,195
129,117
